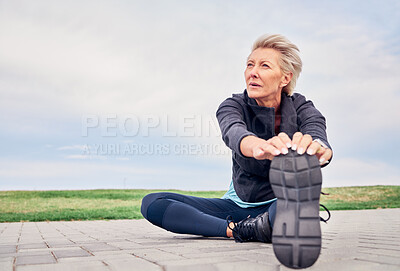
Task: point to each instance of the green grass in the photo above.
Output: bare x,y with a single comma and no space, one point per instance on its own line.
18,206
361,197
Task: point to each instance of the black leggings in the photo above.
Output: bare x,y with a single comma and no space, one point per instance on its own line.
193,215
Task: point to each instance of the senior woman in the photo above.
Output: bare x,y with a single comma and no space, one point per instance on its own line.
279,143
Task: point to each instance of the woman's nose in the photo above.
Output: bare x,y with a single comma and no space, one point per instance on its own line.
253,73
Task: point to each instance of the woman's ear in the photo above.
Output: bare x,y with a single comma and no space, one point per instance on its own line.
286,79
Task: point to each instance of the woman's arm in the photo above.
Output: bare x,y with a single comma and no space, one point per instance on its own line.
231,121
312,126
245,143
309,120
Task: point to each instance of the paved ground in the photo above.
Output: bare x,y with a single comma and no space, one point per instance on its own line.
352,240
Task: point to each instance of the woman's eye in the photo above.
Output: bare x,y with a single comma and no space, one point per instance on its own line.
250,65
265,65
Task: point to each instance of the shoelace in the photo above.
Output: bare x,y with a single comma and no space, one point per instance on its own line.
329,214
326,209
244,228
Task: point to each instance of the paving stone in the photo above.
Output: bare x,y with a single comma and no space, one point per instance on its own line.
232,246
382,241
80,259
324,258
180,250
392,246
99,247
150,243
114,254
36,259
245,265
8,249
125,244
259,257
29,241
40,244
44,250
155,255
132,264
6,264
7,255
379,259
71,253
59,243
33,252
199,261
8,240
348,265
197,267
30,236
7,260
352,240
102,257
214,253
81,266
383,252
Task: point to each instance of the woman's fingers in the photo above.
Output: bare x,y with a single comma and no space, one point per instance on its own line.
259,154
273,147
304,143
280,142
323,155
296,140
285,139
314,148
300,143
266,151
326,155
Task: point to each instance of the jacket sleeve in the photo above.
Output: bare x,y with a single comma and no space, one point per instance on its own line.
309,119
231,122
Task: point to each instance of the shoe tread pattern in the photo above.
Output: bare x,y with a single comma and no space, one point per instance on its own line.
296,181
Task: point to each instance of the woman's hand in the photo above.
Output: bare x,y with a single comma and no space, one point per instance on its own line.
261,149
304,143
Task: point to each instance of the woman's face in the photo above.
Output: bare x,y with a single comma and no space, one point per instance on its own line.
264,77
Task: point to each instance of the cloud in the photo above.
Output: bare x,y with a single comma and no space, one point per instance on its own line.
73,147
184,58
87,174
351,172
70,67
86,157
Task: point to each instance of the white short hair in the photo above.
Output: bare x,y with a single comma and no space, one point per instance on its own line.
290,61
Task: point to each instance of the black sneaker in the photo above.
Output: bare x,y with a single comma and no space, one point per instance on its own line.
250,229
296,181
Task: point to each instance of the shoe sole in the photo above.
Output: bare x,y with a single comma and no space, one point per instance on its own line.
296,181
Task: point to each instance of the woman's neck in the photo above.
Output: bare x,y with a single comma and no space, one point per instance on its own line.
268,102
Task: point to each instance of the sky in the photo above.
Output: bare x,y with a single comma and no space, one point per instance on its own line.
123,94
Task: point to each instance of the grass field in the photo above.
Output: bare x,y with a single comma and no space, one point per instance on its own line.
18,206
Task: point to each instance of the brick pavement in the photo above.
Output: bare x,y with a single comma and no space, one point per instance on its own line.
352,240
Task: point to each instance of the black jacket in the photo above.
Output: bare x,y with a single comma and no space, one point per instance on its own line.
240,116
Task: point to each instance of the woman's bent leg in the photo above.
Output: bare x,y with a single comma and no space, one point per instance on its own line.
175,213
193,215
